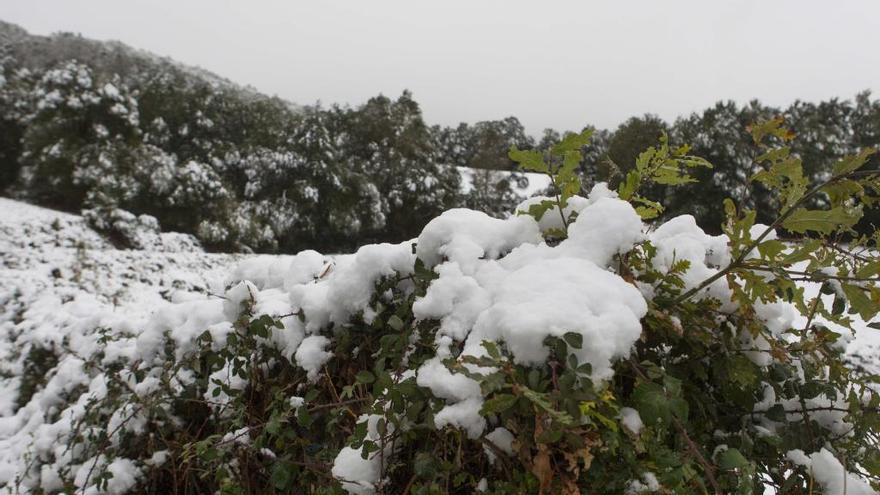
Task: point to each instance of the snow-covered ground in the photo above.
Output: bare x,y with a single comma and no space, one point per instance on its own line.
55,270
533,184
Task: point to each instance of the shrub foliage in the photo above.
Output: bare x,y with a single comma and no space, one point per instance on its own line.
720,393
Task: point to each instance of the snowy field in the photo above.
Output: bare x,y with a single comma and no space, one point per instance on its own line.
533,184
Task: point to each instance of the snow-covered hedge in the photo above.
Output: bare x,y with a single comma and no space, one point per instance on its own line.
570,349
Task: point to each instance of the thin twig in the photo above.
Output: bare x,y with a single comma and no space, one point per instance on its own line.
737,263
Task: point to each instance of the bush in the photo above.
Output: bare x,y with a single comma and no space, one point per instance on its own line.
568,349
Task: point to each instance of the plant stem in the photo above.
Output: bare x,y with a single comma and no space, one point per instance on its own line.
737,263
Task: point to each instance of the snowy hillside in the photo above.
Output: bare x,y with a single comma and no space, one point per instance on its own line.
109,57
59,276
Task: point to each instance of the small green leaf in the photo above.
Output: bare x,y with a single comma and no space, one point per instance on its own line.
859,302
629,186
532,160
869,270
492,349
851,163
550,436
574,340
498,404
650,401
821,221
395,323
732,459
572,142
281,476
365,377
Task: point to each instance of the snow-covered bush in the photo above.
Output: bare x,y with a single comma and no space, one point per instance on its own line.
572,348
142,232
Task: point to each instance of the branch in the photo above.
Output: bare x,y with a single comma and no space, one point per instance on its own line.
737,263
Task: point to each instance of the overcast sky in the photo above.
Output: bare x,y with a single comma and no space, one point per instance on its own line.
550,63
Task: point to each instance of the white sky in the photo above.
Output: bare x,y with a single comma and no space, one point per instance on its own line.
554,64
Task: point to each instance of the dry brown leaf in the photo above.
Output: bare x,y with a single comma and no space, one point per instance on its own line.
542,470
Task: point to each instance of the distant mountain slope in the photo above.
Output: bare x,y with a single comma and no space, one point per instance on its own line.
106,58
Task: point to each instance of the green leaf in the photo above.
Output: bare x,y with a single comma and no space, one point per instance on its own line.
679,407
365,377
869,270
776,413
732,459
497,404
729,208
851,163
771,249
574,340
650,401
541,401
572,142
842,191
649,209
628,187
549,436
425,464
742,371
492,349
529,159
821,221
672,385
772,127
281,476
802,252
395,323
538,210
871,462
859,302
303,418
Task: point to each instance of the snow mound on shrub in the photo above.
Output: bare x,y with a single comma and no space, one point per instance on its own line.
830,474
533,292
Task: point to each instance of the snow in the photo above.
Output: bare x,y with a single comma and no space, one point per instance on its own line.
552,219
503,439
360,476
681,239
647,484
464,236
631,420
59,282
534,291
534,183
830,474
311,356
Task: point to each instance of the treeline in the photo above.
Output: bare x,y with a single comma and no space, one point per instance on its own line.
237,172
100,127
